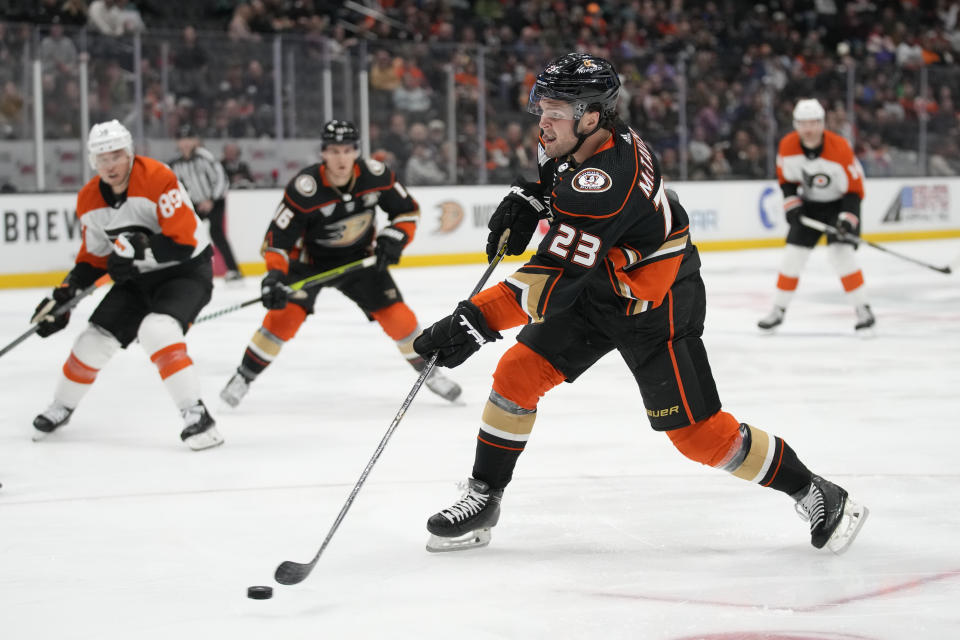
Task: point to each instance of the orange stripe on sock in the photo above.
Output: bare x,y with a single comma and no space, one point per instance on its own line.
779,460
852,281
76,371
499,446
787,283
171,359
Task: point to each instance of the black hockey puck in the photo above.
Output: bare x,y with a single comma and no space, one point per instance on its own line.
260,593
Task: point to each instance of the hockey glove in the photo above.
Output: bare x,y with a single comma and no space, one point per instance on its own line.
47,323
273,292
520,211
793,209
847,223
129,246
456,337
390,243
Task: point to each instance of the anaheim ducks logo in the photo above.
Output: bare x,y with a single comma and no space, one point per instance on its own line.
305,185
451,215
591,181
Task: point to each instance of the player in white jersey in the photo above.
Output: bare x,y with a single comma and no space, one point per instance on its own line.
821,179
139,226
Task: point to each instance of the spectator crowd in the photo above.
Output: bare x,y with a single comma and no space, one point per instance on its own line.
709,83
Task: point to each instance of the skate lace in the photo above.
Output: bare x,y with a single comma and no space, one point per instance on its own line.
56,413
470,504
810,507
192,415
237,386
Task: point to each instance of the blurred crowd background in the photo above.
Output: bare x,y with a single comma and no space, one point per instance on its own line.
441,85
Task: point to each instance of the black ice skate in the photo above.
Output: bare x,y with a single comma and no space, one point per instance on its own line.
442,385
200,431
835,519
237,387
865,320
772,320
466,524
52,418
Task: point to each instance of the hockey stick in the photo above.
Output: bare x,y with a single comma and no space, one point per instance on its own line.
290,572
826,228
58,311
318,278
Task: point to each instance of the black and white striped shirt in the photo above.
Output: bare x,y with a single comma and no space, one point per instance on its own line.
202,175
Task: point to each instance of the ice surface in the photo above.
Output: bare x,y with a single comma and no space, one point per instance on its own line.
113,529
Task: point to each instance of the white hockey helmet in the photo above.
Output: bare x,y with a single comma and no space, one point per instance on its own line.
808,109
108,136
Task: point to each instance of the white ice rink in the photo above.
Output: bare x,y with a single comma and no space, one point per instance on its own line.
112,529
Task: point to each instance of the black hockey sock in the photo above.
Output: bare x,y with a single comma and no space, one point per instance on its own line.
790,475
495,459
252,366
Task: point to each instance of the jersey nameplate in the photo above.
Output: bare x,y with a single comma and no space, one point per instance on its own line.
591,181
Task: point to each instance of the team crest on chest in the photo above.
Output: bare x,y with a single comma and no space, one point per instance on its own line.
305,185
591,181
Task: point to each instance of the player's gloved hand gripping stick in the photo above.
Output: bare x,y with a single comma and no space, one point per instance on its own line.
293,290
54,311
290,572
826,228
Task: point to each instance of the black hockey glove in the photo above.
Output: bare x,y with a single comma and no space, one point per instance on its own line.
129,246
273,292
520,211
390,243
456,337
793,214
847,223
47,323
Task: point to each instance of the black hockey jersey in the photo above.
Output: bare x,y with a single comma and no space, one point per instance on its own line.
612,227
323,225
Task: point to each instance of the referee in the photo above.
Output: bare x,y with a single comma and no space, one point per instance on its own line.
206,182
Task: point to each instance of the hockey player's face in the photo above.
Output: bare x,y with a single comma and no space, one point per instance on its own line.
113,167
557,127
810,132
339,160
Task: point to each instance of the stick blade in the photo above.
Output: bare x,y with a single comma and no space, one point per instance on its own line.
290,572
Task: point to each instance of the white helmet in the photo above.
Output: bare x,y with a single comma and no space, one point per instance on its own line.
808,109
108,136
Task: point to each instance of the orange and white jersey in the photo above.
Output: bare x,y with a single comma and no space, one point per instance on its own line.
826,177
156,204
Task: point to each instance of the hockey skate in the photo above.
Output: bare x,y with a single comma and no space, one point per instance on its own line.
835,519
865,321
233,277
52,418
237,387
467,523
772,320
442,385
200,431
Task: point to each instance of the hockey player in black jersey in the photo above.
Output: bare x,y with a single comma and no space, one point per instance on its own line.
616,270
326,219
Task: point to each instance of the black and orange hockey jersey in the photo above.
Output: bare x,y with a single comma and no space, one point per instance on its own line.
320,224
612,225
155,203
830,174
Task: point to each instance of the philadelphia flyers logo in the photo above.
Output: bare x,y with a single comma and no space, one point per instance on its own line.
816,180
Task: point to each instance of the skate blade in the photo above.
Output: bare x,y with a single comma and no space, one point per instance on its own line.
472,540
206,440
40,436
852,520
867,333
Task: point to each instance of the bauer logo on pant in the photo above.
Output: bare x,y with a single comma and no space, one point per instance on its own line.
591,181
